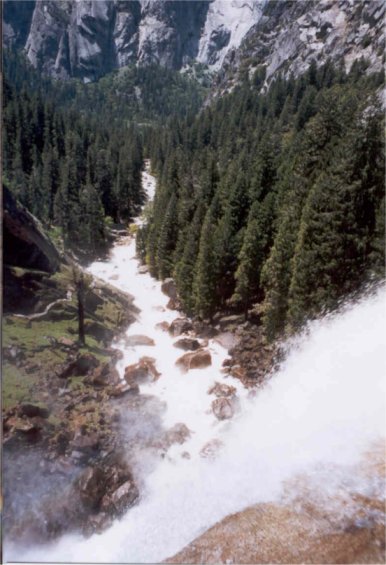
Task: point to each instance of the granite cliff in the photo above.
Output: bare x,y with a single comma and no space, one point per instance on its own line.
88,39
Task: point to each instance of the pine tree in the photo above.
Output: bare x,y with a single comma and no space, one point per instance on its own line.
92,226
167,240
253,254
185,268
205,280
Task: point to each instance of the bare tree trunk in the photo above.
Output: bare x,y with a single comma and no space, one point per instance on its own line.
80,297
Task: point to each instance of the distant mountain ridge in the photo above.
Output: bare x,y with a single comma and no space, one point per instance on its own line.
88,38
291,34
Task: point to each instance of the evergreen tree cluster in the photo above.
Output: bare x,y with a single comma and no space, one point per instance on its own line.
70,166
141,94
272,203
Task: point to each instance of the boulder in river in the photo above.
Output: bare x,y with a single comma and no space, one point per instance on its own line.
142,371
253,536
179,433
143,269
187,344
163,326
90,487
136,373
195,360
173,304
120,499
180,326
168,287
134,340
221,389
211,449
223,408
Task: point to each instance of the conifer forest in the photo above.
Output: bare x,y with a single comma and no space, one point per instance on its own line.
193,364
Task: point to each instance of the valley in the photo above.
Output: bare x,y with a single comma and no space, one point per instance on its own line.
193,364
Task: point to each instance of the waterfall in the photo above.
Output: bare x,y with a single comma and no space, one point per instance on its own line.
317,416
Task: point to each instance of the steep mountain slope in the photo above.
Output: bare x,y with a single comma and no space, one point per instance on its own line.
87,39
290,35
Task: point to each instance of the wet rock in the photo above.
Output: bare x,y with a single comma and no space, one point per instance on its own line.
86,443
163,326
59,442
203,330
221,389
174,304
168,287
121,499
142,371
239,372
136,373
211,449
159,309
195,360
143,269
179,433
187,344
90,487
96,524
134,340
149,362
180,326
80,366
223,408
226,340
122,389
33,410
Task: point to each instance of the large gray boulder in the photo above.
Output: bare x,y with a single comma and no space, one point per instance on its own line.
25,243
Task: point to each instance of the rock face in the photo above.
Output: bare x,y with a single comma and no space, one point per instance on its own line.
252,536
25,243
289,35
108,490
88,38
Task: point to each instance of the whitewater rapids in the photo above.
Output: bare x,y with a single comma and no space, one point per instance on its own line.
317,416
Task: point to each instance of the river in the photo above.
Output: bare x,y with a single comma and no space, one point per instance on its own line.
317,416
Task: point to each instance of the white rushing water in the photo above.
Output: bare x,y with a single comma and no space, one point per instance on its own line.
322,410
